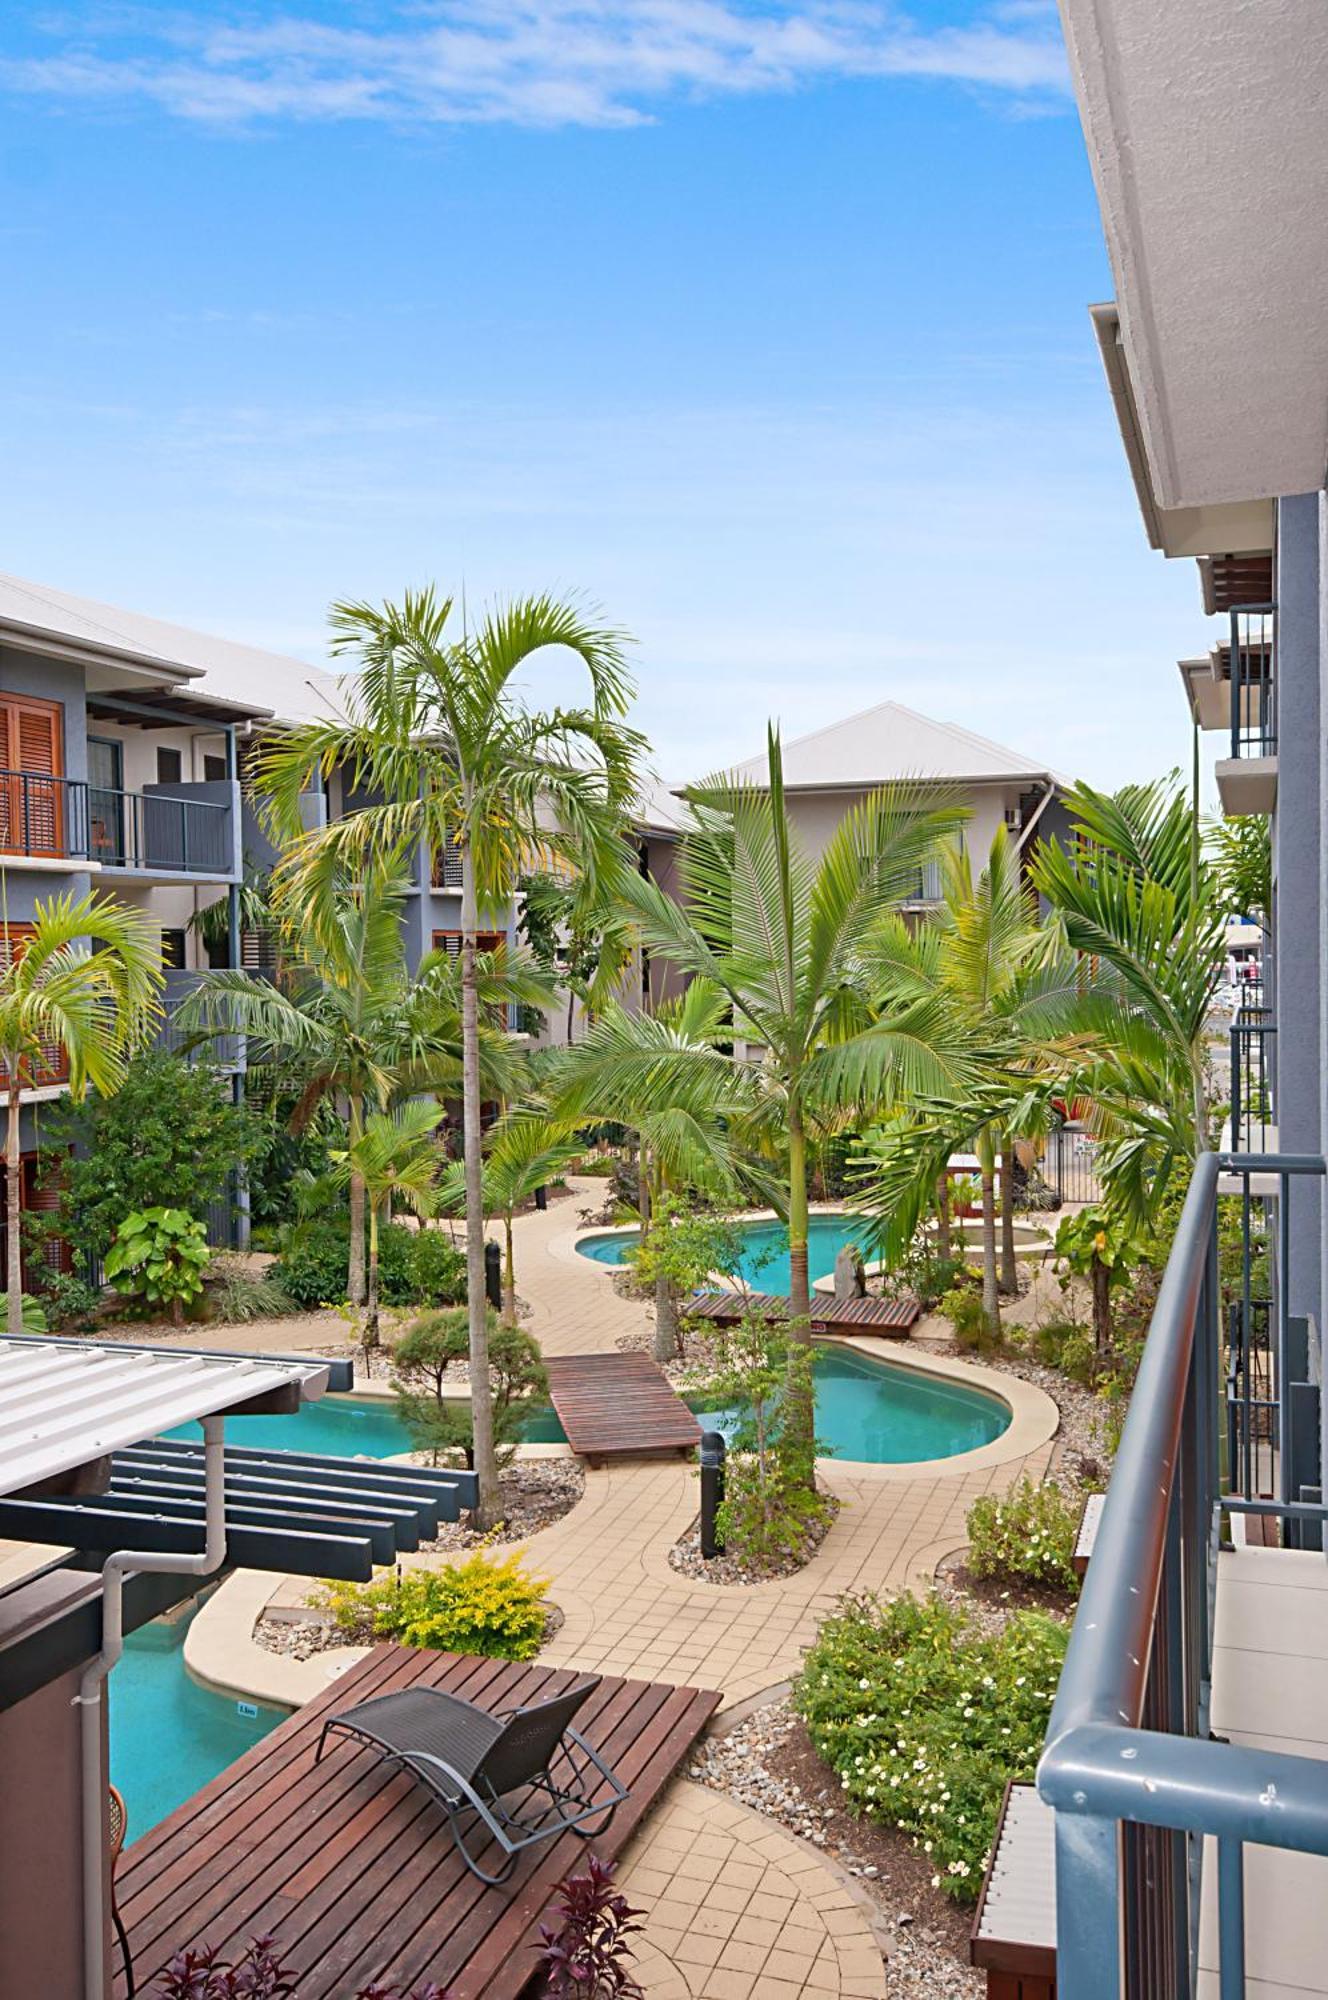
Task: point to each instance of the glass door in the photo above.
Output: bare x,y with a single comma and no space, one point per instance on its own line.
106,801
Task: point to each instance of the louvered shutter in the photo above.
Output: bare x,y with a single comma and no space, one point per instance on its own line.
53,1066
31,795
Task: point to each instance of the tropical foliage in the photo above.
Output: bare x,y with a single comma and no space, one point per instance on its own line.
158,1259
487,1605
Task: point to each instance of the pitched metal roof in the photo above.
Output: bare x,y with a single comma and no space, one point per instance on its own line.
67,1403
889,743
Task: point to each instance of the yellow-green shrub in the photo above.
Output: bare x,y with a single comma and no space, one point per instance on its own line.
482,1605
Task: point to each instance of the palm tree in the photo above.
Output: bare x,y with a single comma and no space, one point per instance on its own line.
1151,925
777,933
997,974
395,1158
347,1023
522,1154
437,731
85,980
668,1077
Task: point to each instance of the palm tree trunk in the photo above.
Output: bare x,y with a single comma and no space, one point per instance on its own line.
991,1303
800,1418
1009,1264
943,1216
371,1285
509,1275
1102,1328
481,1392
14,1202
643,1204
355,1287
668,1343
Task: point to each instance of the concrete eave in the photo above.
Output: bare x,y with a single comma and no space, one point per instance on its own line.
1246,785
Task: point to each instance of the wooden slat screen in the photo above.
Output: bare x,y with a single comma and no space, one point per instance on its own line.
31,812
54,1066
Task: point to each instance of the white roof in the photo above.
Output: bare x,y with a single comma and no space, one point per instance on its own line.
891,742
66,1403
268,683
659,808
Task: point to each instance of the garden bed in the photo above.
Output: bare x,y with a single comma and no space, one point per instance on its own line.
685,1555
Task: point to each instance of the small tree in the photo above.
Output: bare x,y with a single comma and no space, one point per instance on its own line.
158,1257
1102,1247
682,1250
395,1158
771,1509
168,1138
443,1425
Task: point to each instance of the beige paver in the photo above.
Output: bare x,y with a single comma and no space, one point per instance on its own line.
791,1932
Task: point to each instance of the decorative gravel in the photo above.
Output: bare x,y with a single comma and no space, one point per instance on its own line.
1083,1452
685,1555
536,1493
767,1763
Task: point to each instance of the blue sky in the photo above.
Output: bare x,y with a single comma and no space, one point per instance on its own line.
761,322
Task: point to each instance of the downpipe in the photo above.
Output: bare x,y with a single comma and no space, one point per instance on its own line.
89,1699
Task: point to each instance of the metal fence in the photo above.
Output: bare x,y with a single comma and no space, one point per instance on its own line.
1252,1046
1130,1767
1070,1164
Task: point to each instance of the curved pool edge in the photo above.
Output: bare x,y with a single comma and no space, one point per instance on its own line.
1034,1416
564,1246
221,1653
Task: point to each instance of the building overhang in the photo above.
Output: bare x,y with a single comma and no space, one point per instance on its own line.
1205,134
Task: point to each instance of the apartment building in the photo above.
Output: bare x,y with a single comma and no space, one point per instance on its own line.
1185,1763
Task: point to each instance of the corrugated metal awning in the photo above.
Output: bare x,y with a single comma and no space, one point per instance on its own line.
68,1403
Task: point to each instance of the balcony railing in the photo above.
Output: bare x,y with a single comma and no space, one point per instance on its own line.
171,832
1252,1049
1253,683
1134,1776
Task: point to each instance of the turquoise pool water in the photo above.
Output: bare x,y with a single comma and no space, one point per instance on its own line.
880,1414
765,1258
169,1736
868,1410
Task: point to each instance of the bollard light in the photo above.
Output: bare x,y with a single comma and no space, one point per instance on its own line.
713,1450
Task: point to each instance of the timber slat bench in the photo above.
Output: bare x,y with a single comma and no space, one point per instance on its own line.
891,1317
1014,1932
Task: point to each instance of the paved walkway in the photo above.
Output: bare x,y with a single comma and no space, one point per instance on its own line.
738,1909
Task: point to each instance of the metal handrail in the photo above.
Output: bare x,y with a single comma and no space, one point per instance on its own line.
1128,1765
1251,1073
71,819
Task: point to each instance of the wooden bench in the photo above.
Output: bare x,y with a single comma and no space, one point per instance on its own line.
1014,1932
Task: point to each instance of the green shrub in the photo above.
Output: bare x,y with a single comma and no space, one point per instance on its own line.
238,1295
771,1510
170,1136
158,1259
963,1308
595,1166
1024,1536
70,1301
1069,1346
482,1605
415,1266
924,1719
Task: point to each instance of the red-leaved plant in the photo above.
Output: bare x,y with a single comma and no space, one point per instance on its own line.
255,1975
585,1955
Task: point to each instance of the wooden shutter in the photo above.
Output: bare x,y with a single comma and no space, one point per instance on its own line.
53,1067
32,817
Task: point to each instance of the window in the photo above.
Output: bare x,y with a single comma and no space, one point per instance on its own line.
450,941
214,769
170,765
32,805
172,949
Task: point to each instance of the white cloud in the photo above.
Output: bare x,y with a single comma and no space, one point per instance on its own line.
527,62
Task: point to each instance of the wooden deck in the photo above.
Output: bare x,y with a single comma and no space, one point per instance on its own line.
618,1405
870,1315
351,1867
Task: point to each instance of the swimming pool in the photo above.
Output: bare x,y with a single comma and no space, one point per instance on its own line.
765,1257
169,1736
873,1411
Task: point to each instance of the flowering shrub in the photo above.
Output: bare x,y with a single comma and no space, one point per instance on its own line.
585,1954
255,1975
1024,1536
478,1606
924,1719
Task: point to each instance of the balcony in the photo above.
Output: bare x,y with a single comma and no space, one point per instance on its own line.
1253,1123
1247,779
182,832
1185,1760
